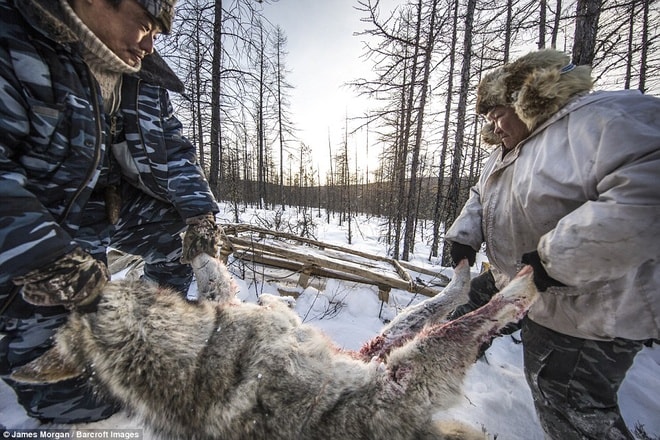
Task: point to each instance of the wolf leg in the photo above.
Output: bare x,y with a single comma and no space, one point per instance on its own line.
214,281
430,369
412,319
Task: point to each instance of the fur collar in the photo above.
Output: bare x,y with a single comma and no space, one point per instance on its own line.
536,85
47,17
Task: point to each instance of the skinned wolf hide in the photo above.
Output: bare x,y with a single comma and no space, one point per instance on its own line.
221,369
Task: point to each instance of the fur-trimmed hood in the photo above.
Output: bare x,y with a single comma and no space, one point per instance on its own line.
536,85
47,17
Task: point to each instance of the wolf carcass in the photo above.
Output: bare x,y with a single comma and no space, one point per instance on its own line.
221,369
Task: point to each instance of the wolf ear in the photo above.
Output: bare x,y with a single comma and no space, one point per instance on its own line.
50,367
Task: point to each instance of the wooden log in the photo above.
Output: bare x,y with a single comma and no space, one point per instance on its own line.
318,257
290,264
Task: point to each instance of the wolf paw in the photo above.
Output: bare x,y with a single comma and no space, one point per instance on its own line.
268,300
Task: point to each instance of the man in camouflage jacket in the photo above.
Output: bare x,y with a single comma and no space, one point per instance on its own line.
91,156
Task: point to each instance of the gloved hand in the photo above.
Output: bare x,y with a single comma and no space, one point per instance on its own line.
74,280
459,251
541,278
201,236
482,289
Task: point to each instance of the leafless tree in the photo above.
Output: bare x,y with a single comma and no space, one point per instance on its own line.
284,126
586,28
427,58
464,87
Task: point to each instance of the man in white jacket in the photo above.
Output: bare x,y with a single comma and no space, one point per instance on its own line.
573,191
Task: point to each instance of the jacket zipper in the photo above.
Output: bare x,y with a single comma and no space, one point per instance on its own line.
97,152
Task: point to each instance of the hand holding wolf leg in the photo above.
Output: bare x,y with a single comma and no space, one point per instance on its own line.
541,278
201,236
200,247
461,252
424,369
411,320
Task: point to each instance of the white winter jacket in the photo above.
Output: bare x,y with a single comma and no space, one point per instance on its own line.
584,190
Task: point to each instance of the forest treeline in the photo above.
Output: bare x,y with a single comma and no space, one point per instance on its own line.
427,57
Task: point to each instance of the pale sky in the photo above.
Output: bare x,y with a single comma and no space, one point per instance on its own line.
323,54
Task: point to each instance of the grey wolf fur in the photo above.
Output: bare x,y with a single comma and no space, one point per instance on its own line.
220,369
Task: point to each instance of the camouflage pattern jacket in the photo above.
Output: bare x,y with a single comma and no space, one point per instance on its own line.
53,152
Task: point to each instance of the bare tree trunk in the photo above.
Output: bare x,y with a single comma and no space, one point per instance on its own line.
280,41
645,46
407,115
196,102
630,51
261,162
543,8
555,26
453,196
412,207
330,184
508,31
347,184
586,29
439,195
216,146
399,168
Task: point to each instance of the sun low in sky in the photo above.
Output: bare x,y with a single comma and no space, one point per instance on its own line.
323,55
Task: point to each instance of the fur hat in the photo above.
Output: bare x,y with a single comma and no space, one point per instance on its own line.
536,85
162,11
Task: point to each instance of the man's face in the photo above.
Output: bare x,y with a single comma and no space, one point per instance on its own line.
508,125
129,31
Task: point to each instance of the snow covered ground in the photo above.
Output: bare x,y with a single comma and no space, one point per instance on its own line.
496,397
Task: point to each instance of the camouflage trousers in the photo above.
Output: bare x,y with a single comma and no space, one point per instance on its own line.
574,383
146,227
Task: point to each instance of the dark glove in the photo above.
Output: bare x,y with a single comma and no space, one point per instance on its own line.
201,236
460,251
74,280
541,278
482,289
